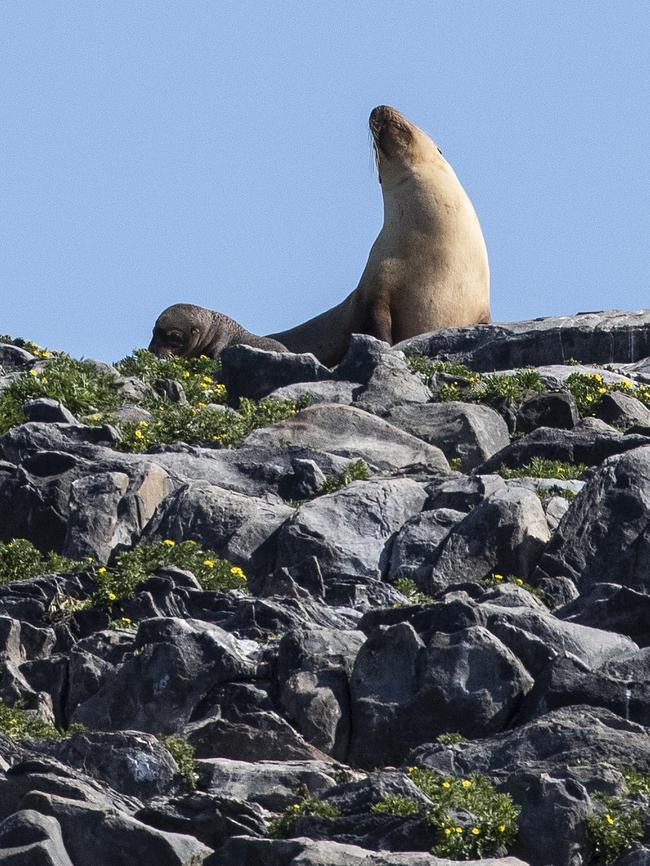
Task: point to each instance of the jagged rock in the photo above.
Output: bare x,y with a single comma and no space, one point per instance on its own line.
349,531
47,410
622,410
463,492
365,355
547,410
605,337
552,825
313,670
131,762
244,851
14,356
349,432
255,373
612,607
405,691
416,545
318,392
237,527
271,784
562,738
505,533
389,386
467,431
623,689
28,838
603,538
639,856
157,689
580,445
208,817
171,389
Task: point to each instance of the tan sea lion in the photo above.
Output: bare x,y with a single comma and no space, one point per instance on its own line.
190,331
428,268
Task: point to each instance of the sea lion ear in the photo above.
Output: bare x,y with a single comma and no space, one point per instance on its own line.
194,331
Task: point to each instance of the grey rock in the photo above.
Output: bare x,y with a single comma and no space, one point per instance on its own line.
131,414
349,432
271,784
547,410
244,851
580,445
405,692
552,824
639,856
416,545
562,738
131,762
556,375
391,385
505,533
318,392
463,492
603,538
313,671
555,509
134,390
250,372
171,389
28,838
237,527
47,410
604,337
467,431
365,355
622,410
349,531
178,661
14,356
612,607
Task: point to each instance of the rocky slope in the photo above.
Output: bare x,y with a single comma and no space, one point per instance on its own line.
449,652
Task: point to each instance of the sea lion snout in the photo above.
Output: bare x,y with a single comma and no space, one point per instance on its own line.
391,131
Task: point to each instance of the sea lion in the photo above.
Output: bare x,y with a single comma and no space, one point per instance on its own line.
190,331
428,268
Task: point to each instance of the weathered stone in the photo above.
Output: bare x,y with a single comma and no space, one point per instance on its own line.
416,545
467,431
622,410
349,432
28,838
255,373
604,337
318,392
612,607
47,410
349,531
547,410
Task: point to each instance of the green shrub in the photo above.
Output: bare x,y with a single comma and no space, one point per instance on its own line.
183,753
282,827
409,588
588,389
20,560
173,422
494,815
196,375
428,368
637,783
77,384
546,493
356,471
403,807
20,724
117,582
540,468
614,830
450,738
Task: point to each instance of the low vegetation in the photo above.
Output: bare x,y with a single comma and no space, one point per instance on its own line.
183,753
355,471
282,827
20,724
540,468
409,588
20,560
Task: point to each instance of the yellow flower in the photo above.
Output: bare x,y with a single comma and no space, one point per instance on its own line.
44,380
519,582
46,354
597,377
458,829
501,828
589,398
627,384
609,819
475,831
111,596
498,577
208,379
94,417
33,372
89,558
296,806
446,831
126,620
186,374
237,572
201,405
446,784
203,358
466,783
139,434
169,542
411,769
602,390
143,423
219,388
209,563
101,570
217,438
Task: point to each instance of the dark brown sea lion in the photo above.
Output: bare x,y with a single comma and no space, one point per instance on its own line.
190,331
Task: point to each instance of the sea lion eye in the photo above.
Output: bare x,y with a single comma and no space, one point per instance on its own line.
438,149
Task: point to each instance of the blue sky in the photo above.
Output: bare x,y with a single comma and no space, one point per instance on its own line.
218,153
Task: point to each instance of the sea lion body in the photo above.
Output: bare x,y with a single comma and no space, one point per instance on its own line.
428,268
190,331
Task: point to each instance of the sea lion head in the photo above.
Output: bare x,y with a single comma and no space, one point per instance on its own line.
190,331
399,145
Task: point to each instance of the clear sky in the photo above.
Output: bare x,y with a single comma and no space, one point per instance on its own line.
212,152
